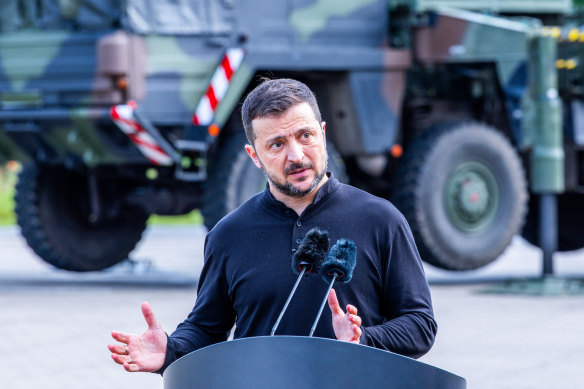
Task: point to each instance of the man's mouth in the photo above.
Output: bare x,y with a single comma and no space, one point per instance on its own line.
297,170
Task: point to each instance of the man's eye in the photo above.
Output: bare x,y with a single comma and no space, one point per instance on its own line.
277,145
306,135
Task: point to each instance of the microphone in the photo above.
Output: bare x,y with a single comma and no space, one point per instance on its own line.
312,252
309,257
339,265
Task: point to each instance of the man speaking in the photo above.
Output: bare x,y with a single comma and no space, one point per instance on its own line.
247,276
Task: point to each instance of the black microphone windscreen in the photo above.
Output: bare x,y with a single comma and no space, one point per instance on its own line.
312,251
341,261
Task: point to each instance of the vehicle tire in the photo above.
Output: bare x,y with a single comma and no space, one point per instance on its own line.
51,210
462,188
570,222
233,178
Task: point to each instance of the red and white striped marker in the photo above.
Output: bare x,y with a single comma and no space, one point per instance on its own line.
205,111
123,116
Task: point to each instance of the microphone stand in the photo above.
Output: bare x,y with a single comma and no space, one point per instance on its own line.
323,303
304,266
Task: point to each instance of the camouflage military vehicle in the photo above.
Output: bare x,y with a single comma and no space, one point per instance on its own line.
123,109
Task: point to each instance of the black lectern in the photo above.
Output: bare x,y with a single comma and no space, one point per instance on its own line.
286,362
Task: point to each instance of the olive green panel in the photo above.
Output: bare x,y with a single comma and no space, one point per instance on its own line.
513,6
547,156
171,58
237,87
81,140
474,37
313,18
23,64
503,43
19,100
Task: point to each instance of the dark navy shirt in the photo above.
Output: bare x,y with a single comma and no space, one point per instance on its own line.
247,275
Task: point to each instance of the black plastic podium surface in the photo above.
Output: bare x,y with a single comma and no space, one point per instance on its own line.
282,362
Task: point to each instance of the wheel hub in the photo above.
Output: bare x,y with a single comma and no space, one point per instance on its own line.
472,196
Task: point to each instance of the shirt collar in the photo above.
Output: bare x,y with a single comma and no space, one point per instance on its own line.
328,187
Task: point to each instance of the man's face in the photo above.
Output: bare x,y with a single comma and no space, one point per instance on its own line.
291,150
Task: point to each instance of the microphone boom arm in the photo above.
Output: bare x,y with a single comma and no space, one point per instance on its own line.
288,301
322,305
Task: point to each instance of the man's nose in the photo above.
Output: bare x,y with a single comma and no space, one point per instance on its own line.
295,152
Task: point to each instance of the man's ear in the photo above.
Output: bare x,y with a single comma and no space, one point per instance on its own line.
253,155
323,126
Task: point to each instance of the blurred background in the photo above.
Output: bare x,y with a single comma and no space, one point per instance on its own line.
121,146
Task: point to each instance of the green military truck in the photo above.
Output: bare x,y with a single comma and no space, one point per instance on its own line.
123,109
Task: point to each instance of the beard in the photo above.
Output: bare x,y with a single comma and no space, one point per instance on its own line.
287,188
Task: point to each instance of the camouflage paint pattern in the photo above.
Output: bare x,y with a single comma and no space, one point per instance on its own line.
167,74
68,79
167,56
314,17
22,65
47,74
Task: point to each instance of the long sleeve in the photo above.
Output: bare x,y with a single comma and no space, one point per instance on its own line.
213,316
410,328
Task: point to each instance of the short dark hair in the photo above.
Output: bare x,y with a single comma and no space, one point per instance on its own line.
273,98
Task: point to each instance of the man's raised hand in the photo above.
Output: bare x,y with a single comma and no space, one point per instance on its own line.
144,352
347,326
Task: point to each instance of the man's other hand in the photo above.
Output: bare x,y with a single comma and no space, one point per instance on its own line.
347,325
145,352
